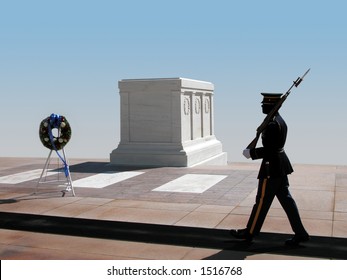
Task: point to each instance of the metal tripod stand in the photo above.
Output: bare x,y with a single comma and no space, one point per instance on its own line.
44,174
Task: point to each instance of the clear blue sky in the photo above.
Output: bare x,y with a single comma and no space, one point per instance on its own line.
66,57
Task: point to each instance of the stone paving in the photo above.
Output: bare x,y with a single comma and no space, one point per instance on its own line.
197,223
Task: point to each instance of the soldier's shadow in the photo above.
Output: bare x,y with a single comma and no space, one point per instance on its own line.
271,246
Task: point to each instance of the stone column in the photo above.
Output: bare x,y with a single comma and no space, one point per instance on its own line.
167,122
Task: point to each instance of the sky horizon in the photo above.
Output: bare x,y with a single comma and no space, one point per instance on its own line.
67,57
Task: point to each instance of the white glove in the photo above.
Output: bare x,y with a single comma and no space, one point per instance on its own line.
246,153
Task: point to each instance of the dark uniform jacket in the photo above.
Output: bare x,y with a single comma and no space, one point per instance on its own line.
275,161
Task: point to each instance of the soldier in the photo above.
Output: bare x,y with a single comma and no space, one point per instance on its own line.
273,179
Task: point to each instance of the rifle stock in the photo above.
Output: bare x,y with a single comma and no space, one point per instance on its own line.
274,111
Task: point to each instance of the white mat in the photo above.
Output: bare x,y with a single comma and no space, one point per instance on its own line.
103,180
23,176
191,183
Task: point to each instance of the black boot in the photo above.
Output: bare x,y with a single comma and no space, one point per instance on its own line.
297,239
241,234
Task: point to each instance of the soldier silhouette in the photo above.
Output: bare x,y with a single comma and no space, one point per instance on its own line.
272,178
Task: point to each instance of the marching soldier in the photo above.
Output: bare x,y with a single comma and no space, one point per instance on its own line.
273,180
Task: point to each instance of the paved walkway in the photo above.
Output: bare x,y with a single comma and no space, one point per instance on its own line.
163,213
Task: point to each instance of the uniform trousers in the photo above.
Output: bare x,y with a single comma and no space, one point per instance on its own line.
268,188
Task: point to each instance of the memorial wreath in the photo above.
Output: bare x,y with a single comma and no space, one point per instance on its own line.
55,142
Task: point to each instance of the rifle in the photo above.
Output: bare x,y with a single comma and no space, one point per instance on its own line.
273,112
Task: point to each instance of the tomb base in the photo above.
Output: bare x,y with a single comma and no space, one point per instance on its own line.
175,155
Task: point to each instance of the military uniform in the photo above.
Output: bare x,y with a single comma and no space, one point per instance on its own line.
273,180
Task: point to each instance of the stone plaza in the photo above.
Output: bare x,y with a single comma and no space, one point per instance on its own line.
142,214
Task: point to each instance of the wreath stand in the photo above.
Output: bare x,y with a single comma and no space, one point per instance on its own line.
60,176
56,143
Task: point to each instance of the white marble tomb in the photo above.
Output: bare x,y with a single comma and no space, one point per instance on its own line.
167,122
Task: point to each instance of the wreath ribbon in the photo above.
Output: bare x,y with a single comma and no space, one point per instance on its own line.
55,122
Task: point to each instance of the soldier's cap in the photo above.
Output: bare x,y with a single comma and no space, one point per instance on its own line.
270,98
